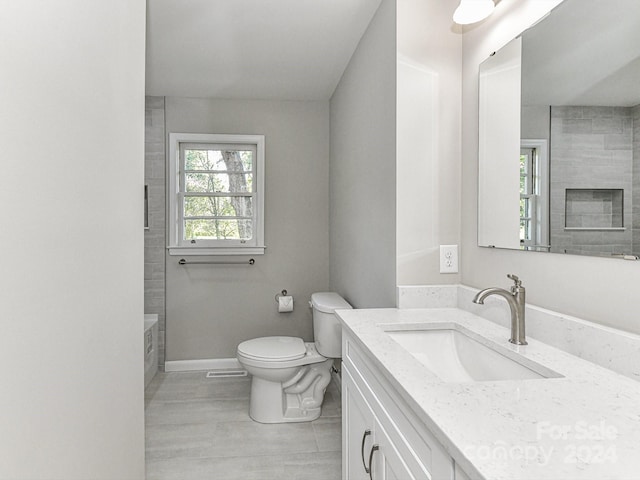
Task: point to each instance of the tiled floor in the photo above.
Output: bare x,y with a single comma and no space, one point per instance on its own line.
198,428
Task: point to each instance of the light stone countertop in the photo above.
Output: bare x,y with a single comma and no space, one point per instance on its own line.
585,425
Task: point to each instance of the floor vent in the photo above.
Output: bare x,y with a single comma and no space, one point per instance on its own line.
226,373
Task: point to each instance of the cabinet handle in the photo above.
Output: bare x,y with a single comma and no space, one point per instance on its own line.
367,432
373,450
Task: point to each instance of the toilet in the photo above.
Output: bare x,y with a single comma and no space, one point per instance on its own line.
289,375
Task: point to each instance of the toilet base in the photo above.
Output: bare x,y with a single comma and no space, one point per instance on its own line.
298,400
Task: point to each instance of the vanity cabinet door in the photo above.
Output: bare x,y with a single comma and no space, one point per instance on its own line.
358,424
388,463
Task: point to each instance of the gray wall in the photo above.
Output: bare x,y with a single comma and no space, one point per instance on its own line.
635,112
598,289
72,132
362,177
535,122
155,236
591,148
210,309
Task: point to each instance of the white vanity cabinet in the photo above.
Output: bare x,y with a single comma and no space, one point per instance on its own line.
371,453
382,438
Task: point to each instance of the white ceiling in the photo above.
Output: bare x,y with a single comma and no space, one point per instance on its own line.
252,49
587,52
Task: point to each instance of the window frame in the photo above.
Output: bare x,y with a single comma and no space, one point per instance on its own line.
540,195
530,196
178,245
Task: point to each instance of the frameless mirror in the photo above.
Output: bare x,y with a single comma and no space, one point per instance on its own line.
559,134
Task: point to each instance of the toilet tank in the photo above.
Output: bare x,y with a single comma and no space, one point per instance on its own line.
327,330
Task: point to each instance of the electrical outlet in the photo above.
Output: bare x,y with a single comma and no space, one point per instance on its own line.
448,258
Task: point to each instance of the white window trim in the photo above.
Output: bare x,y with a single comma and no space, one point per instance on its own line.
541,233
256,246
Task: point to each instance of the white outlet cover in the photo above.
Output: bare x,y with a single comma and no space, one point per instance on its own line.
448,258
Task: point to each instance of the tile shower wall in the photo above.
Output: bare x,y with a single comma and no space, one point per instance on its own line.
591,148
635,113
154,236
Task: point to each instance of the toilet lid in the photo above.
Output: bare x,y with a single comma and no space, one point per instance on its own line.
273,348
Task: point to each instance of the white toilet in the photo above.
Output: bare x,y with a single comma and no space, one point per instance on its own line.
289,375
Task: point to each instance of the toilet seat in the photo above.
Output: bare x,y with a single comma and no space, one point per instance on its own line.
278,352
273,349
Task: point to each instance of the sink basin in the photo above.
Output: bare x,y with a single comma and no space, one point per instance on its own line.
454,356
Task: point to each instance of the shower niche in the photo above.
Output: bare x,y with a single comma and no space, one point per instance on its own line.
592,221
594,209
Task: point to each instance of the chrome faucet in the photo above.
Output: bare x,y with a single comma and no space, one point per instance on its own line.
515,298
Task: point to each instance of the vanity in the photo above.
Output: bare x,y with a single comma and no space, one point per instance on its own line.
437,391
535,413
383,438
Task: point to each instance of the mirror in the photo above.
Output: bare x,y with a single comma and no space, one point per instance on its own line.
559,134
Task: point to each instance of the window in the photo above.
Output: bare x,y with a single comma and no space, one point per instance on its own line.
216,194
534,194
528,196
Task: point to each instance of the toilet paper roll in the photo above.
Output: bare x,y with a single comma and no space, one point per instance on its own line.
285,303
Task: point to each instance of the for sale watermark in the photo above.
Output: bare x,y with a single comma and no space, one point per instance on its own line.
580,442
502,453
579,431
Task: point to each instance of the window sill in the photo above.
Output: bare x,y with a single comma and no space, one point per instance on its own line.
185,251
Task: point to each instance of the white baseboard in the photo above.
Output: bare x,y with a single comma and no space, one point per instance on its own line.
204,364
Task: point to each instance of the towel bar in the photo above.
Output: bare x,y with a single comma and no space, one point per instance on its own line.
182,261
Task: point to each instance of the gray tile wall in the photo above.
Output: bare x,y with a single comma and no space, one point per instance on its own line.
635,113
154,236
591,148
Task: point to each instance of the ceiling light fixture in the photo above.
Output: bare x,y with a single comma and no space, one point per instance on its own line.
472,11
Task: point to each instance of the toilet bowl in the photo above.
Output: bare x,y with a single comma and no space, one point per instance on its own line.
289,376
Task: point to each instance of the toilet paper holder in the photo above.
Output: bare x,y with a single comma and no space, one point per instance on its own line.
283,293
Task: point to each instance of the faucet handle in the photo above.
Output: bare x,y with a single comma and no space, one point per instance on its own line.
516,280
